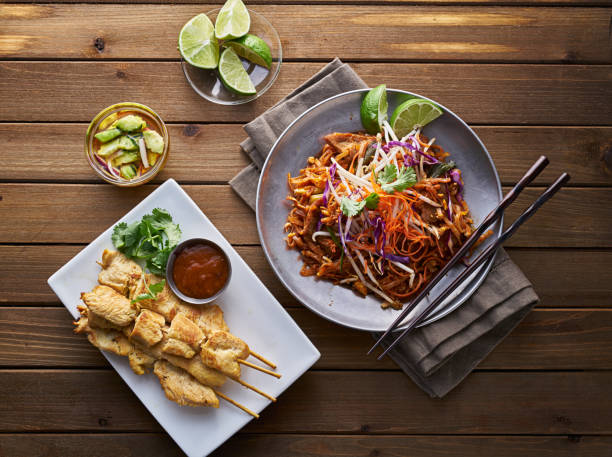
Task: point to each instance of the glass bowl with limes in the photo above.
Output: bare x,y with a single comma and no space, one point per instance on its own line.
230,55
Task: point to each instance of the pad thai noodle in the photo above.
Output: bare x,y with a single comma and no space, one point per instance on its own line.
378,214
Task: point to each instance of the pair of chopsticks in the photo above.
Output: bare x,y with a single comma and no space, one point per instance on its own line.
489,252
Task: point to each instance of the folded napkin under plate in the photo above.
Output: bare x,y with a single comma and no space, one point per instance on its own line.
437,356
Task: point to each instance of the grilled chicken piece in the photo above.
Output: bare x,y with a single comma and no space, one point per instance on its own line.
208,318
110,305
184,337
96,321
178,348
148,328
196,368
165,303
106,339
119,272
180,387
140,363
348,142
193,366
221,352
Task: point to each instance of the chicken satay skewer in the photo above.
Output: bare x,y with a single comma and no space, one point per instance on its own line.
262,358
257,367
236,404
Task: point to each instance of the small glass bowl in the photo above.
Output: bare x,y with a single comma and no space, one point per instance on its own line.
170,270
106,117
207,83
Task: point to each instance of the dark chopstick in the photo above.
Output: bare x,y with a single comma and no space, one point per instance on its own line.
534,171
486,254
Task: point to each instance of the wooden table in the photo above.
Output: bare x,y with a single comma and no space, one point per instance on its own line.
532,80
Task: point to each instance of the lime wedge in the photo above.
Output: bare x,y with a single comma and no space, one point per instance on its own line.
233,21
415,112
233,75
197,43
374,109
252,48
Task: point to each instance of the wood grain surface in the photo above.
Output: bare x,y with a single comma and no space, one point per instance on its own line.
547,339
585,274
531,77
480,94
359,32
329,401
28,214
265,445
209,153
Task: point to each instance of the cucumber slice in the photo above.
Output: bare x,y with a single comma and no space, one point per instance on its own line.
128,144
125,157
131,123
109,148
128,171
107,135
154,141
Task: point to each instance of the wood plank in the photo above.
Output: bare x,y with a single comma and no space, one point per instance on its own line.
546,340
481,94
29,214
430,446
373,402
205,153
359,2
562,278
210,153
405,33
264,445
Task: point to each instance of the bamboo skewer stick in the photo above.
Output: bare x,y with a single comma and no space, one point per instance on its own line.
255,389
236,404
263,359
257,367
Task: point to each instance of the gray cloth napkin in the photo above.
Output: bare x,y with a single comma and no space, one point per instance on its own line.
438,356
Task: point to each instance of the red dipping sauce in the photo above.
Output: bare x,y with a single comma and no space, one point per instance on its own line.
200,271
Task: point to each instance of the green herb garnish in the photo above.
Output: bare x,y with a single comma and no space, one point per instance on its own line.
154,289
391,181
441,168
152,239
352,208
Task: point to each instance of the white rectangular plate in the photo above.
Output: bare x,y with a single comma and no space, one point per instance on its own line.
251,312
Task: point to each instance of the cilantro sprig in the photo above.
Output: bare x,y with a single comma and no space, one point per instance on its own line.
352,208
154,289
390,180
152,239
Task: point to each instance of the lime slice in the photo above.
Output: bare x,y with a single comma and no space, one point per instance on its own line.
233,75
252,48
233,21
415,112
197,42
374,109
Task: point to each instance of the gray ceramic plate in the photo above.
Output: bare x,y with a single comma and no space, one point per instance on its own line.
303,138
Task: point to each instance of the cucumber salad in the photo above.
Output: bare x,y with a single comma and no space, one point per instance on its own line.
128,147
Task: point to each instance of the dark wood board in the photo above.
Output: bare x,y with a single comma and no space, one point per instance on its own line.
546,340
330,401
265,445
